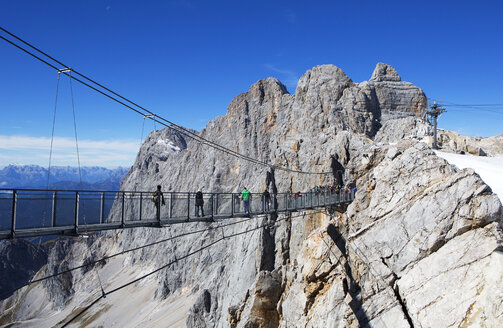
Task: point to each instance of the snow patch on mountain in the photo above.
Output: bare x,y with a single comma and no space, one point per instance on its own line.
490,169
168,144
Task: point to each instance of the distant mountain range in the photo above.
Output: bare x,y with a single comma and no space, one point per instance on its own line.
62,177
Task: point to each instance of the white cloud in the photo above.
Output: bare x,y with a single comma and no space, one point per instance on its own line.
35,150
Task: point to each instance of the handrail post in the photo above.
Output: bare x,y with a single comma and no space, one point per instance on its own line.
76,213
102,207
212,206
13,217
170,203
250,200
188,206
216,203
123,221
141,206
54,199
232,204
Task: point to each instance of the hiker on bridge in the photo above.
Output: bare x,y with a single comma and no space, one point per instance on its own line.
158,199
266,200
199,202
245,197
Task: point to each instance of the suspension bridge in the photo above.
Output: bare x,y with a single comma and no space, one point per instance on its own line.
34,213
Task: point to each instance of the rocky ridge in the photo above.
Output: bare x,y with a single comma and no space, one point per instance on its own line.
61,177
402,254
454,142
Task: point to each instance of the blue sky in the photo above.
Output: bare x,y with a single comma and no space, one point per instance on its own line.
187,59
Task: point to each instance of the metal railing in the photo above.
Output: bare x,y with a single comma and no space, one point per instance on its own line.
33,212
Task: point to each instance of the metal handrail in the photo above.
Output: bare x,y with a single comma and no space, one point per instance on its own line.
66,210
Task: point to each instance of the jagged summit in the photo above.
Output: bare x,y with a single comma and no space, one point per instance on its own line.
270,83
384,72
268,123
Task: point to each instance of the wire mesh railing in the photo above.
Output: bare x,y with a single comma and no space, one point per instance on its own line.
32,212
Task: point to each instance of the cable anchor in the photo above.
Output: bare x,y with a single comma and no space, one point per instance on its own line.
64,70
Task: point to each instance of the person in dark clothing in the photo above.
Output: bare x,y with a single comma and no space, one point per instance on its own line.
158,199
266,200
199,202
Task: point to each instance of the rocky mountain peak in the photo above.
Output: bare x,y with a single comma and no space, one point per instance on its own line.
268,86
260,94
384,72
322,78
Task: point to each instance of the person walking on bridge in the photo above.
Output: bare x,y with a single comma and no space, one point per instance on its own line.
266,200
199,202
245,197
158,199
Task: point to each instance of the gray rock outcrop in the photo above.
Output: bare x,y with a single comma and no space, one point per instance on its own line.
19,261
478,146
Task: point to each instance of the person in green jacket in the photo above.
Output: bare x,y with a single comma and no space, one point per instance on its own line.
245,196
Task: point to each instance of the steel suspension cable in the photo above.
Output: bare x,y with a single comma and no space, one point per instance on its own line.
89,263
75,130
80,180
142,128
171,124
164,266
50,154
52,135
155,117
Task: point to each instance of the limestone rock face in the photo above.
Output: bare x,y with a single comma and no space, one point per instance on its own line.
259,308
414,210
380,262
473,260
19,261
395,97
394,130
